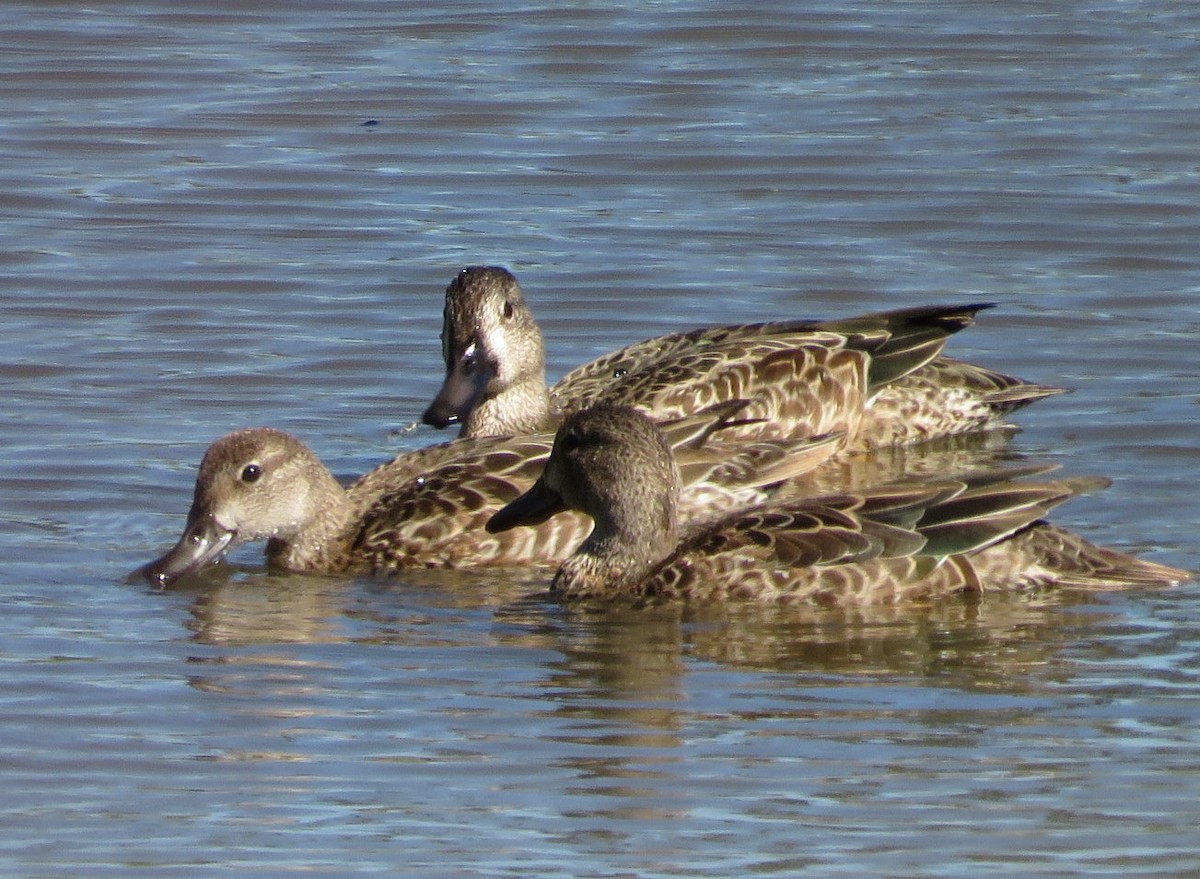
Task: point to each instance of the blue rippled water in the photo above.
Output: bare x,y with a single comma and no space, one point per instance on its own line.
217,217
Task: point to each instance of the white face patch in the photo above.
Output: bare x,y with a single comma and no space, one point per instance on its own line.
497,345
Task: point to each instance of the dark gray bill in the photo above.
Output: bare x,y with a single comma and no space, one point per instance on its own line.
532,508
462,391
202,544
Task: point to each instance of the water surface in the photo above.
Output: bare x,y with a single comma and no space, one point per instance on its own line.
216,218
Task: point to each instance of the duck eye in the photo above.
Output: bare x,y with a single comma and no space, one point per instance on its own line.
251,472
508,310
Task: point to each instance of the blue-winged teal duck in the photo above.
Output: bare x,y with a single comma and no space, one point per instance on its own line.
428,507
877,378
883,545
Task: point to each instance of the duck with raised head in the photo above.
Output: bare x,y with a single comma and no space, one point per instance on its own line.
879,378
897,543
428,507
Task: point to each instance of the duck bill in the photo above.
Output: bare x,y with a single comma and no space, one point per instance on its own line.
532,508
464,389
203,543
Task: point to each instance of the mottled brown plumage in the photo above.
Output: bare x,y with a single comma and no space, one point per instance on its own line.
902,542
877,378
428,508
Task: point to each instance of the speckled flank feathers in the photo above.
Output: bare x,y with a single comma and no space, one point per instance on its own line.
904,542
429,507
880,379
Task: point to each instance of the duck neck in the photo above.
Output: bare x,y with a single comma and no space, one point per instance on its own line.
519,409
319,542
633,534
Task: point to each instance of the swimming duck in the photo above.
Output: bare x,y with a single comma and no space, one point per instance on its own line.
877,378
885,545
428,507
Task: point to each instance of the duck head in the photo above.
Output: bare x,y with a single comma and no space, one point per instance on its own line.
253,484
494,354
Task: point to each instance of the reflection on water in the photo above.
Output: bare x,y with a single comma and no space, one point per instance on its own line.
278,610
202,234
634,653
662,724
